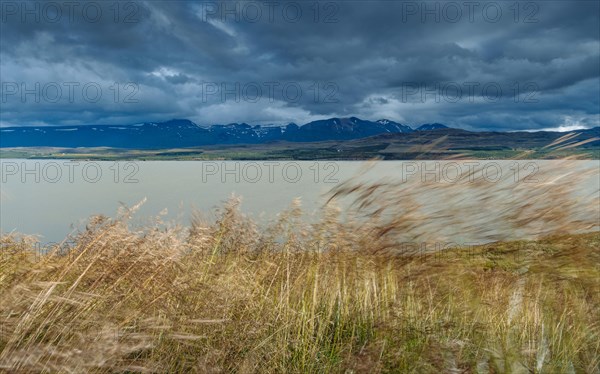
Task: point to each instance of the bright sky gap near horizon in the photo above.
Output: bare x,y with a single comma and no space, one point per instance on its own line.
483,65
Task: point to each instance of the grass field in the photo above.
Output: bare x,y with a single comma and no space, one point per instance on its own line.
222,300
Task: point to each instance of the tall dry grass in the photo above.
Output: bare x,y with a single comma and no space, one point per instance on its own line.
337,295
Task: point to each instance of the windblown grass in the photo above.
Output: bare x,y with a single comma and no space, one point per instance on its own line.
332,296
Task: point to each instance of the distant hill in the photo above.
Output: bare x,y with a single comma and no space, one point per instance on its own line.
345,129
183,133
431,126
463,139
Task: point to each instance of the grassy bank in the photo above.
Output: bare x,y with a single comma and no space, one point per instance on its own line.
223,297
319,151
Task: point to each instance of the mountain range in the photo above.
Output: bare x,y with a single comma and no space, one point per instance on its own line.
185,133
352,131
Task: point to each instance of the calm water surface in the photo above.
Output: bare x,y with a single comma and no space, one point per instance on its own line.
51,198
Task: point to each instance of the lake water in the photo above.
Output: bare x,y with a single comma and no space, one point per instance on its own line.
51,198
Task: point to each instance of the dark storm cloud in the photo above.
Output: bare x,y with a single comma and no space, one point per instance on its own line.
476,65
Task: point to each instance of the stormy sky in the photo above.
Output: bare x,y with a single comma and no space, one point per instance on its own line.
478,65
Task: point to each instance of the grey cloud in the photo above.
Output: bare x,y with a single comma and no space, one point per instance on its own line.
350,58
